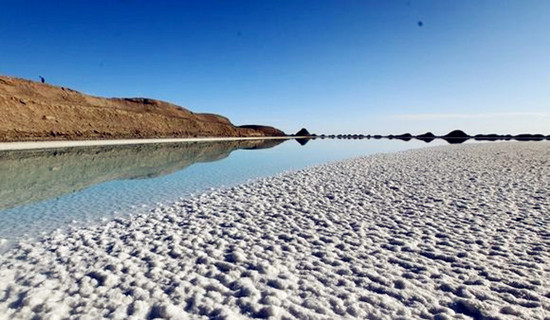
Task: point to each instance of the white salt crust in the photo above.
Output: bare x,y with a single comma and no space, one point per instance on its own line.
453,232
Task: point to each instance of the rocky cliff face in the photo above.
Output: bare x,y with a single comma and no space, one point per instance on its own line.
35,111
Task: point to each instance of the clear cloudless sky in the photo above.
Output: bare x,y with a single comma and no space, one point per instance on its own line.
331,66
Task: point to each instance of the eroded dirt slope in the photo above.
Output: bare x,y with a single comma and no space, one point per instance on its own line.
35,111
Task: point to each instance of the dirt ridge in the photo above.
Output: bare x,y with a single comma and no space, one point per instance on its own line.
31,110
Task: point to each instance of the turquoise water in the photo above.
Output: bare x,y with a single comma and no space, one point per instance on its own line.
44,190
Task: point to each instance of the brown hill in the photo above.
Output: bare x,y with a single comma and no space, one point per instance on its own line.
35,111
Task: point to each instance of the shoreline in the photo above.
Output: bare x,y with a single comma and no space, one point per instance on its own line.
443,232
29,145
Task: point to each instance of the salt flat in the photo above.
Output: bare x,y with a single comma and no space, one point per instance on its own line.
453,232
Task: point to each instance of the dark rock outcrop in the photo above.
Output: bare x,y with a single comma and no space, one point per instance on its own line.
303,133
426,137
529,137
404,136
456,136
488,137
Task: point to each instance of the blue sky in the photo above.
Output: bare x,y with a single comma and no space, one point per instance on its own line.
331,66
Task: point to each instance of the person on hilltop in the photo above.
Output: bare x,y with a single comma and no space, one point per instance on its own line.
42,79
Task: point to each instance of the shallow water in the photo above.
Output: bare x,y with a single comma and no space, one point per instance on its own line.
43,190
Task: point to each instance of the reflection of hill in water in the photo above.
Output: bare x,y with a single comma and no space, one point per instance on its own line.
34,175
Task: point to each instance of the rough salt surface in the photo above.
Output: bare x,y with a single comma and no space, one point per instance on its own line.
454,232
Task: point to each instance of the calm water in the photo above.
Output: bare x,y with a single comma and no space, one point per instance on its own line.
43,190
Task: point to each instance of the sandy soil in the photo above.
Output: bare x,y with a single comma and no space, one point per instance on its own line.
35,111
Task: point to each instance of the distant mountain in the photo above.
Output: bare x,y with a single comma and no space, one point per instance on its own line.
31,110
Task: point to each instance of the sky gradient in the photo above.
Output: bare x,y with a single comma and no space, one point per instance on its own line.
331,66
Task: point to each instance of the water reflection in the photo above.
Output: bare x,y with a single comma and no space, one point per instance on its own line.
302,141
35,175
